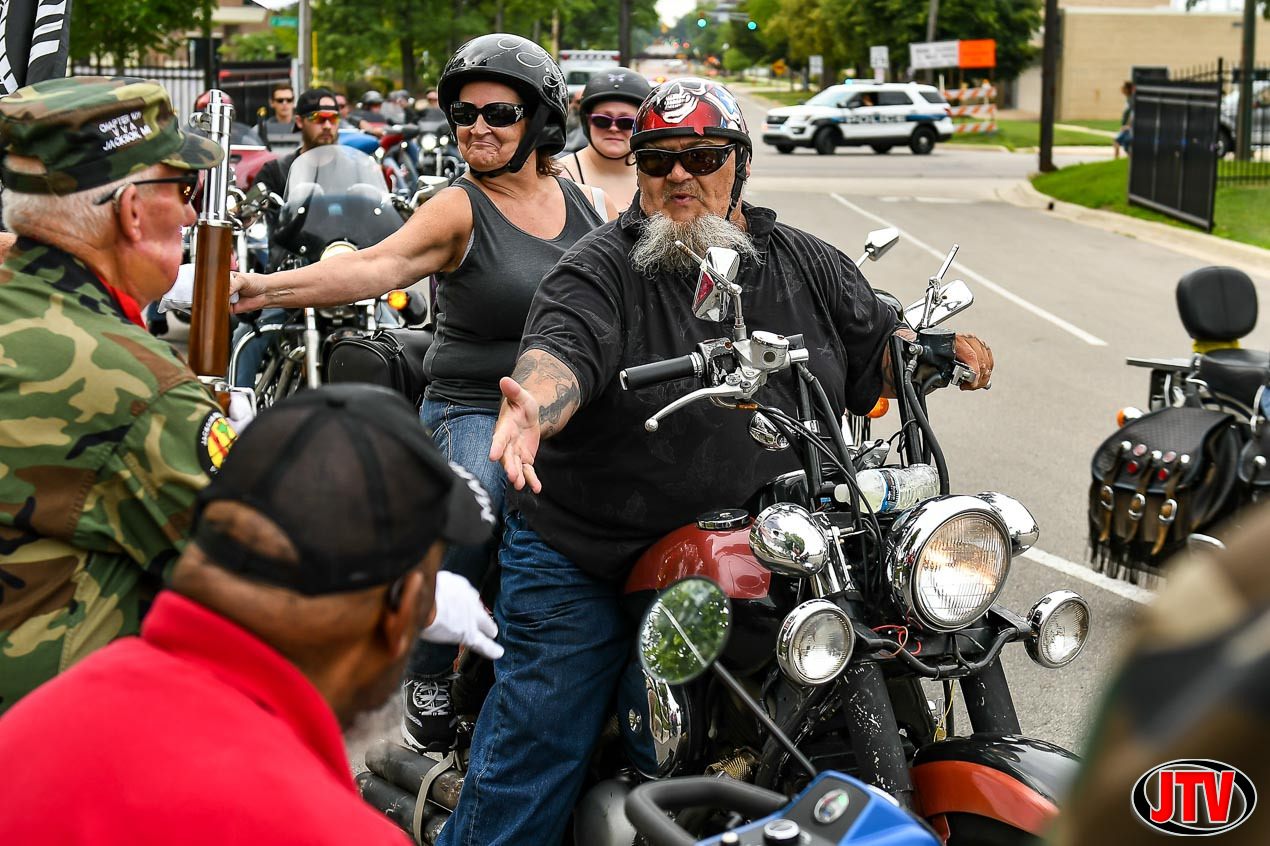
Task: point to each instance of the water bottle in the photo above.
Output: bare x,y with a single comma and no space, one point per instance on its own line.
893,488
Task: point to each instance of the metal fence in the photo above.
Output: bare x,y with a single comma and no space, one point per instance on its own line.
1173,158
248,83
1226,79
184,84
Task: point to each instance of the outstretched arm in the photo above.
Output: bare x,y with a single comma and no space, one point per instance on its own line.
538,400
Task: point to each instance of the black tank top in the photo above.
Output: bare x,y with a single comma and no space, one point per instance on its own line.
481,306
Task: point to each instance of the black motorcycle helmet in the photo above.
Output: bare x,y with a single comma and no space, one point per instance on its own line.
622,84
526,67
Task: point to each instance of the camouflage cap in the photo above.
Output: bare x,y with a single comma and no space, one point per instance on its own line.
91,130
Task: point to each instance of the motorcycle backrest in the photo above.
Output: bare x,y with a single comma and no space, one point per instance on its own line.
1217,304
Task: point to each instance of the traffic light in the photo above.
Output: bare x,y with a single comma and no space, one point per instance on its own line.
701,19
751,26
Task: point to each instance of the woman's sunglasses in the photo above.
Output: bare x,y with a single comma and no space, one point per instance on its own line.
623,124
495,114
696,160
187,181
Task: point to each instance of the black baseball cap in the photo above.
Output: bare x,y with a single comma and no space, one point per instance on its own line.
311,101
351,476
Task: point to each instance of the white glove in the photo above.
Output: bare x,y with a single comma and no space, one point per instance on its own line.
461,617
242,408
181,295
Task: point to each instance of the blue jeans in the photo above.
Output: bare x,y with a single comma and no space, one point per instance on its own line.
567,644
253,354
463,434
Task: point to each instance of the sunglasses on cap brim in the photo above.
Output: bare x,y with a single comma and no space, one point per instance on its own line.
323,116
698,161
495,114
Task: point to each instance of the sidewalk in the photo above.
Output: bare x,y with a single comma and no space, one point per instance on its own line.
1254,261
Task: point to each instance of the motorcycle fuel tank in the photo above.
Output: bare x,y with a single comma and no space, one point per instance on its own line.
722,555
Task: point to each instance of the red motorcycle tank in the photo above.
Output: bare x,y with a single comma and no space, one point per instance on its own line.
716,546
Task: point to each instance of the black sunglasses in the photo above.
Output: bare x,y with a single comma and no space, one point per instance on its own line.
623,124
495,114
187,181
696,160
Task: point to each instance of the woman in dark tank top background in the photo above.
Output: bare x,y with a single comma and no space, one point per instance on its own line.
490,238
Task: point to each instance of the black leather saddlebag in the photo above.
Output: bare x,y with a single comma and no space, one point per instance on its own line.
1156,480
390,357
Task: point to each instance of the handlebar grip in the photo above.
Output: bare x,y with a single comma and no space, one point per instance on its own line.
647,804
654,373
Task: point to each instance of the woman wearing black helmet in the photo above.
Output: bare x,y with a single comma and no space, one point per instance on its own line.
490,238
608,106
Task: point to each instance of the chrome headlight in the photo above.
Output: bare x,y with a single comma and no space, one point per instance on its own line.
949,558
1019,522
337,248
428,142
815,642
788,541
1060,626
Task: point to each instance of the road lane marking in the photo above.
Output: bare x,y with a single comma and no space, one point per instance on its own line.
1133,593
1092,340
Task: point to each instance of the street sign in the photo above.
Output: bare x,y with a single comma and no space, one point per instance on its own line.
815,65
934,54
880,57
981,53
778,67
284,21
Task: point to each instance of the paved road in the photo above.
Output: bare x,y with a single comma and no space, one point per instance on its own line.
1061,304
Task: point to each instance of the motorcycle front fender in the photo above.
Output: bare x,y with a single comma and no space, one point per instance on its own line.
1014,780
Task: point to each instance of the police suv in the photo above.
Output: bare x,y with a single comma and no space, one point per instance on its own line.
880,115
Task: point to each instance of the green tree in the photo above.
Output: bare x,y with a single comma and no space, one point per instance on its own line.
121,32
843,30
254,46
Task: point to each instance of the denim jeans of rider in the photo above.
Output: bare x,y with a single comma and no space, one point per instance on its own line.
463,434
567,643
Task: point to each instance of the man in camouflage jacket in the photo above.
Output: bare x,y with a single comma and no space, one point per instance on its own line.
106,436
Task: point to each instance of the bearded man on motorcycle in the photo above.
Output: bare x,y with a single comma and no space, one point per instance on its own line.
592,488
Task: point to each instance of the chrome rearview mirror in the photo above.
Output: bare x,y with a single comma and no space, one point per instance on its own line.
685,630
953,298
714,282
879,242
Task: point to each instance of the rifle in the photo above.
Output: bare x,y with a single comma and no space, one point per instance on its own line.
213,248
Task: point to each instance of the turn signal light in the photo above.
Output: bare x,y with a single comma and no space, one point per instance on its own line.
1126,414
398,299
880,408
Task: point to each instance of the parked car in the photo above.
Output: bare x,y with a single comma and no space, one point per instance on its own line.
879,115
1229,119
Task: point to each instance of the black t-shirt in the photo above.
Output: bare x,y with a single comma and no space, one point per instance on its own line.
611,489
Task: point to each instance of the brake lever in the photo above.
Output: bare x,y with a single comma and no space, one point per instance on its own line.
653,423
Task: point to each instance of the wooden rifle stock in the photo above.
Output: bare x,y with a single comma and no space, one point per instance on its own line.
209,319
213,250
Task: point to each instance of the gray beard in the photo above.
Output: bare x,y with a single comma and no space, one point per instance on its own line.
655,251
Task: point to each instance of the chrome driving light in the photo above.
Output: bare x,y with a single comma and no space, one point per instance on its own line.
1060,626
815,642
949,557
337,248
788,541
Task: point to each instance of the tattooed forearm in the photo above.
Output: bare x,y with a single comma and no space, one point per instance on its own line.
554,386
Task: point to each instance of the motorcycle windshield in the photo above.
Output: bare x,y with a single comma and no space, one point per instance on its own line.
335,193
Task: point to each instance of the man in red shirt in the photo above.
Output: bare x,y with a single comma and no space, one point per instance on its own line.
311,571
